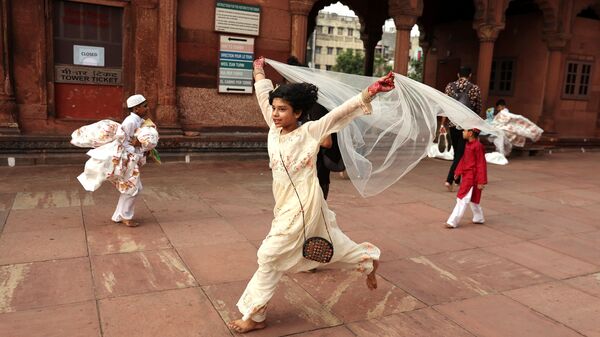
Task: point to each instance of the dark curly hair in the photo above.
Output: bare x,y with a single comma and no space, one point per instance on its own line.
301,96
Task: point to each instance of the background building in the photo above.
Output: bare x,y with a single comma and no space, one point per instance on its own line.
333,35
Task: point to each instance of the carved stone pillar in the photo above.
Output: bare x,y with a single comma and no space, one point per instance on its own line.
166,110
404,24
8,107
556,43
370,42
300,10
487,33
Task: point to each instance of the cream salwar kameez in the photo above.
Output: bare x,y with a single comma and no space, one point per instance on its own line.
281,250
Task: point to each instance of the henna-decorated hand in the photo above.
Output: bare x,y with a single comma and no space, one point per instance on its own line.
383,84
259,63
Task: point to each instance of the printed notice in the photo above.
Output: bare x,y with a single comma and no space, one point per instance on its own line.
237,18
235,64
86,75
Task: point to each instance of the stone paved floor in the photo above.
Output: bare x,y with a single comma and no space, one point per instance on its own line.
532,270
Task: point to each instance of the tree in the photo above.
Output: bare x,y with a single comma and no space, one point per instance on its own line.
415,69
350,62
381,66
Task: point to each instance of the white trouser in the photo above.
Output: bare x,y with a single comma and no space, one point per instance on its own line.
126,205
461,207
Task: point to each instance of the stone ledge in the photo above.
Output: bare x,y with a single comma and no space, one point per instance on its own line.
206,142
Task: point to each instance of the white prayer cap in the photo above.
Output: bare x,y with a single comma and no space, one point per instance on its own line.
135,100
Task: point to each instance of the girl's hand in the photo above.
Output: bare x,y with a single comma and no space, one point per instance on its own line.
259,63
384,84
480,186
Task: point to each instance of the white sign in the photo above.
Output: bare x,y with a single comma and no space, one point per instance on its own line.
88,56
235,64
237,18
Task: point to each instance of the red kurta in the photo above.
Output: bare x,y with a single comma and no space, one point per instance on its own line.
473,169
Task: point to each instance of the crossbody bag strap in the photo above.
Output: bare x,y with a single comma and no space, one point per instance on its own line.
300,201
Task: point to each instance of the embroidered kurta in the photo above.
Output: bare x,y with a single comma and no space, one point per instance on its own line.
473,170
281,250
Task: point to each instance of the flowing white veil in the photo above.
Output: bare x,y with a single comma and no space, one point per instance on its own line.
381,148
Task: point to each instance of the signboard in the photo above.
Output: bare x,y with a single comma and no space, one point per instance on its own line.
235,64
88,56
86,75
237,18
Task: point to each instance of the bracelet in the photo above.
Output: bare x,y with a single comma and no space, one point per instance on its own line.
258,71
366,96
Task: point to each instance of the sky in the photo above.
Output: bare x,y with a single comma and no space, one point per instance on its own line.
346,11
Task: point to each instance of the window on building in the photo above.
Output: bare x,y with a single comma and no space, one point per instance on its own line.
95,27
502,76
319,29
340,31
350,32
317,66
339,50
329,50
577,79
330,30
328,67
318,50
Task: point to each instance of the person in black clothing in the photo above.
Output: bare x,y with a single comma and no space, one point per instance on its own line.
329,155
468,94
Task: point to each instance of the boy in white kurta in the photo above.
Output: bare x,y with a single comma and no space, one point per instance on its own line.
281,250
138,108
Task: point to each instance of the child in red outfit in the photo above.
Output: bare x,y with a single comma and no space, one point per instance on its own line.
473,171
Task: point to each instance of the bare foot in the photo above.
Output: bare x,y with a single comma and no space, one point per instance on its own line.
448,186
372,278
130,223
241,326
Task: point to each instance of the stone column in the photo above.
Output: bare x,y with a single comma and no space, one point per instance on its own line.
370,42
487,33
299,10
166,110
556,43
8,106
404,24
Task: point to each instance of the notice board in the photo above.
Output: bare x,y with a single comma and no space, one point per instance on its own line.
236,55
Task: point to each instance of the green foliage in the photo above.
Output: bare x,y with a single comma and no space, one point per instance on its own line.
350,62
416,70
381,66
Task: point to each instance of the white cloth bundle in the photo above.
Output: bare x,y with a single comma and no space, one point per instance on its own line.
96,134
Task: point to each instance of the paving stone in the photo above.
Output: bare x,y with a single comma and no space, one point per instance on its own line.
391,249
585,246
201,231
139,272
420,323
430,283
173,313
346,295
118,238
189,210
42,284
588,283
543,260
73,320
6,201
497,315
564,304
220,263
46,199
44,245
291,310
43,219
338,331
489,270
253,227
